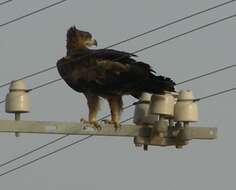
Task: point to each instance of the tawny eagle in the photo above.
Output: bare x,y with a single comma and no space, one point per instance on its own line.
106,73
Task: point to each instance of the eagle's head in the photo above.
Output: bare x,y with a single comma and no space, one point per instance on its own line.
77,39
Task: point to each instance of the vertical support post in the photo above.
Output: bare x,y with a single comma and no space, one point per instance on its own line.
17,118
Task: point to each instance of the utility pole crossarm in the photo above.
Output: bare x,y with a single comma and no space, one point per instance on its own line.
70,128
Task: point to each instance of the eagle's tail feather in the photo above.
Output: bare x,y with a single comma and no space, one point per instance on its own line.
158,84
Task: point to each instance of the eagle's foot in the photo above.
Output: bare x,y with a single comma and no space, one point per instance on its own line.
116,124
94,123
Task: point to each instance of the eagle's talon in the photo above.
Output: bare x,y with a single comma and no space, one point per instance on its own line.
82,120
95,124
117,126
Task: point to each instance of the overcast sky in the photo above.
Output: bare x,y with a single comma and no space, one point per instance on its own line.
105,163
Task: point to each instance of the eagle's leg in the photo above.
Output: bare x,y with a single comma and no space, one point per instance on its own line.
93,106
115,103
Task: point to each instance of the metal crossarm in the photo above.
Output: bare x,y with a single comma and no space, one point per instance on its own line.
144,134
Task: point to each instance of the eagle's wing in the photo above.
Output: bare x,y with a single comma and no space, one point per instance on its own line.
121,66
112,72
115,57
112,54
105,66
110,60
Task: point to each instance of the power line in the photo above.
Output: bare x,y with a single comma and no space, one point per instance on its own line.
22,17
3,101
185,33
128,39
45,155
53,152
216,94
44,84
32,13
171,23
5,2
32,151
29,76
207,74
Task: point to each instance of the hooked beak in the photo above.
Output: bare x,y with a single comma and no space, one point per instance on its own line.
92,42
95,42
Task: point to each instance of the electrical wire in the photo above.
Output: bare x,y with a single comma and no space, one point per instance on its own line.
53,152
171,23
45,155
185,33
131,38
3,101
5,2
44,84
32,151
215,94
207,74
32,13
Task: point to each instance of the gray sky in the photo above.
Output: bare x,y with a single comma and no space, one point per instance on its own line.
114,163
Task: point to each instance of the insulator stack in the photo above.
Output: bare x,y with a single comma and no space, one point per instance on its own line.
17,100
186,109
166,119
162,105
142,108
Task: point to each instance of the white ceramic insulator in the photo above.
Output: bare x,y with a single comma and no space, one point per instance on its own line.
186,110
141,108
162,105
17,100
